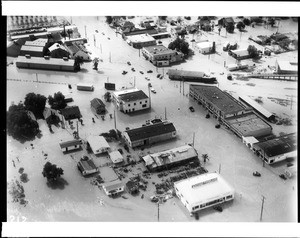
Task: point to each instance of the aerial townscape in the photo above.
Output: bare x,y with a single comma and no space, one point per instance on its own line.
152,118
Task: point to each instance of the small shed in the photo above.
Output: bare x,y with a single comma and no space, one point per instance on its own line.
113,188
116,157
86,166
98,106
67,146
98,144
132,187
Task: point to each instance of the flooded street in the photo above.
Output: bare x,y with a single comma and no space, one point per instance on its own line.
76,199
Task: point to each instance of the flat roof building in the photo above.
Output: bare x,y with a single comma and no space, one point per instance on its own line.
113,188
35,51
258,108
131,100
286,67
70,145
98,144
277,149
160,55
140,41
203,191
205,47
169,158
116,157
249,124
217,101
45,63
150,134
239,54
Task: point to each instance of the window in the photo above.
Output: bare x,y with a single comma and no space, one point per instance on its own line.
146,101
134,104
196,207
144,105
140,102
229,197
129,105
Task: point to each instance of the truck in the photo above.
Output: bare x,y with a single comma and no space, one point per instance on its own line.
85,87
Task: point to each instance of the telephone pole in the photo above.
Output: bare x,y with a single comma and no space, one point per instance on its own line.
219,168
193,139
85,31
158,210
77,129
262,207
115,120
165,113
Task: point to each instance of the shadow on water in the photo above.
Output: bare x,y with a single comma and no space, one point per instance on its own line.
59,183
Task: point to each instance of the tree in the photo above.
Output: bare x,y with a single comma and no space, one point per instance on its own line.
77,62
240,25
19,123
162,18
52,172
179,45
35,103
253,52
230,28
247,21
109,19
272,22
58,101
107,96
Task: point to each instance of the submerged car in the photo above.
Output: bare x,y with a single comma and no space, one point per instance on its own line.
191,109
153,90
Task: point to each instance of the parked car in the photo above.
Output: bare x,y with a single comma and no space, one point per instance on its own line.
141,72
133,69
159,42
153,90
191,109
149,71
149,85
158,75
124,72
128,63
217,126
256,174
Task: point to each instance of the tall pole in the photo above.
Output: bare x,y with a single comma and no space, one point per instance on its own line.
262,207
37,79
115,120
180,86
134,81
101,48
264,159
193,139
107,78
139,53
158,211
85,31
219,168
77,129
149,97
165,113
183,87
110,57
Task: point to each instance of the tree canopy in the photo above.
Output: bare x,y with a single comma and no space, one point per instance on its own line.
107,96
240,25
19,123
253,52
35,103
77,62
230,28
52,172
179,45
109,19
246,21
58,101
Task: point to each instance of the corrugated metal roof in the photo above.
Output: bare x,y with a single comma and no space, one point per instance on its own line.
70,143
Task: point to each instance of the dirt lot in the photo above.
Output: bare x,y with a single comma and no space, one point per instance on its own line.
76,199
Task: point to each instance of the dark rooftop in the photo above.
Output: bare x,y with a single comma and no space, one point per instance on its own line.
185,73
222,100
279,145
87,165
70,143
96,102
71,113
150,131
133,96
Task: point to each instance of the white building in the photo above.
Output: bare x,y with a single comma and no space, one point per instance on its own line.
98,144
140,41
202,191
131,100
113,188
205,47
116,157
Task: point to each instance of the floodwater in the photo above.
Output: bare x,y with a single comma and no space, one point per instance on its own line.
76,199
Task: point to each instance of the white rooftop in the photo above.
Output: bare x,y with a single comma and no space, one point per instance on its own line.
204,45
97,142
140,38
202,188
287,65
116,157
129,90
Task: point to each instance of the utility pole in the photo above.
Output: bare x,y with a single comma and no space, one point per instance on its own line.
107,78
101,48
85,31
94,40
165,113
262,207
134,81
158,210
183,87
264,159
193,139
180,86
219,168
109,57
77,129
149,96
139,53
115,120
37,79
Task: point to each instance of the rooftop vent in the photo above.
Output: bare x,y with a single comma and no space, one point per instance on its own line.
28,56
